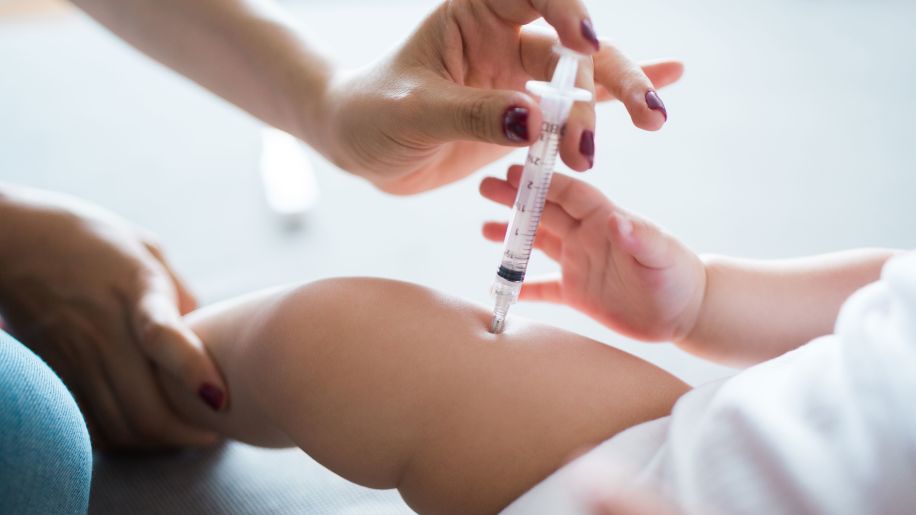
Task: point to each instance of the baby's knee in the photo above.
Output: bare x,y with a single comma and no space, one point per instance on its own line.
45,454
361,361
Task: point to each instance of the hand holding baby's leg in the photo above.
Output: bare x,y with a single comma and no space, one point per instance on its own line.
392,385
618,268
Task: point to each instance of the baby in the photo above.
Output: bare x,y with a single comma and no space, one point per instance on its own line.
394,386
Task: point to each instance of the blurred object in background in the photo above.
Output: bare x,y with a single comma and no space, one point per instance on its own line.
13,8
287,176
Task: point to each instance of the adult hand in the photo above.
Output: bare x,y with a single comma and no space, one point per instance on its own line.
95,298
453,98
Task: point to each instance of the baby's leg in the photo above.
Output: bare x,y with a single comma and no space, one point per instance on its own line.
393,385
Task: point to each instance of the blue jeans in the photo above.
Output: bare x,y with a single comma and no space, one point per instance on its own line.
45,455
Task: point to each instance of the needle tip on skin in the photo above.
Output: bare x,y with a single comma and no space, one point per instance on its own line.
497,325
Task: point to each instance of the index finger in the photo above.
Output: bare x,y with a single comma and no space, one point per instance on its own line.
627,81
570,18
539,59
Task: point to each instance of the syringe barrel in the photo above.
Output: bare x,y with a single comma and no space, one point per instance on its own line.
532,190
557,98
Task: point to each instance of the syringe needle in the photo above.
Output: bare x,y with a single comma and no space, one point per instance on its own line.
498,324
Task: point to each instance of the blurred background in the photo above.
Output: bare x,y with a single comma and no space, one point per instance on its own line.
789,134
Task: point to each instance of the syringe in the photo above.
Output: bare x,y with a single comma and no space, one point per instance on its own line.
557,97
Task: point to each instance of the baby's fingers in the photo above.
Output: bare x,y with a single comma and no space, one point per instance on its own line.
577,198
553,219
545,241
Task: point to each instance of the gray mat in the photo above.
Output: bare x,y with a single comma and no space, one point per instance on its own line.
231,479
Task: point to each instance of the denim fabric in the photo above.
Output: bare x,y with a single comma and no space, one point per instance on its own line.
45,455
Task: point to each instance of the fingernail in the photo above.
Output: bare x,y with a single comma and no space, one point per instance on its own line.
515,124
588,32
655,103
587,147
211,395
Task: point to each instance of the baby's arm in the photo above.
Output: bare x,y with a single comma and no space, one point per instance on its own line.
628,274
393,385
755,310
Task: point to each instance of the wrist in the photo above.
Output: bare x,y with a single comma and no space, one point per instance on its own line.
310,103
692,322
325,121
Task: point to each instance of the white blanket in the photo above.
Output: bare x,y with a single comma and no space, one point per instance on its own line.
828,428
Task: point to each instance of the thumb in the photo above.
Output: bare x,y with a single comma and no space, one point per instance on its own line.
454,112
642,240
165,339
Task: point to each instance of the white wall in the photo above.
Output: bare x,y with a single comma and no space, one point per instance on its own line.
789,134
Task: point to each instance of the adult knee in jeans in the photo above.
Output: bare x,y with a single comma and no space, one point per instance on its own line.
45,454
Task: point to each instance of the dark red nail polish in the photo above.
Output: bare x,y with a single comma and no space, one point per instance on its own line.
211,395
515,124
587,147
588,32
655,103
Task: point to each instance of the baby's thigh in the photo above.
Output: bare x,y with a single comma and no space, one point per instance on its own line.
421,396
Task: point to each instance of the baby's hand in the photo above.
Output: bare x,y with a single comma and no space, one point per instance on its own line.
619,269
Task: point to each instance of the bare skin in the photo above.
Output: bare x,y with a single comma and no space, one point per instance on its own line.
630,275
95,297
395,386
392,385
432,112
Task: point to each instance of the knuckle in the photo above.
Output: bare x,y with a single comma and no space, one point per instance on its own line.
633,84
474,119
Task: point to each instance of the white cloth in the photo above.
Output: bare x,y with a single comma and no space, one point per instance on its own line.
827,428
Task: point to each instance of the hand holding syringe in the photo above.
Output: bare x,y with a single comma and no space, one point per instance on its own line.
557,97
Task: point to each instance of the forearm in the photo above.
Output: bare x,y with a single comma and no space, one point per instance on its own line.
392,385
756,310
246,51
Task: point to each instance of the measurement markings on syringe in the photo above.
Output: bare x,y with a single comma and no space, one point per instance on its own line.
557,98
